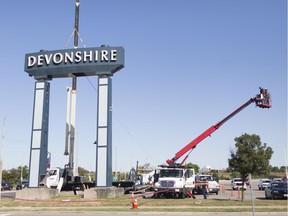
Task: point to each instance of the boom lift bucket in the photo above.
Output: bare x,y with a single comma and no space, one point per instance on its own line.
263,99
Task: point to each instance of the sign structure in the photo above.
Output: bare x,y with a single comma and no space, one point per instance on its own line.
45,65
101,61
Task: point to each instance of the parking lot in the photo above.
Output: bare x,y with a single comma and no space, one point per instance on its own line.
226,192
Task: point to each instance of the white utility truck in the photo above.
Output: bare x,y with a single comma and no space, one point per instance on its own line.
173,182
174,179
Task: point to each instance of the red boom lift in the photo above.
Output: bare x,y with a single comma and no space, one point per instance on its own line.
262,100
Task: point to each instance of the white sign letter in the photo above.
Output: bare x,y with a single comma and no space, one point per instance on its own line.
48,59
104,54
40,60
78,56
31,61
113,55
87,55
57,58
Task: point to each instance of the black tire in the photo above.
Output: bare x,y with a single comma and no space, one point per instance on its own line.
182,195
155,196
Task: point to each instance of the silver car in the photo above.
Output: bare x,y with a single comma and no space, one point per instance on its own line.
263,183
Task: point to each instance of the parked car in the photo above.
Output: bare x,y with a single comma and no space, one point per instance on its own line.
213,186
6,186
238,183
277,190
263,183
22,185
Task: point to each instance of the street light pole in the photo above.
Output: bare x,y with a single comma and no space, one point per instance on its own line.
1,151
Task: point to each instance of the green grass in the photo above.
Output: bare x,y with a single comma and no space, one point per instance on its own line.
123,203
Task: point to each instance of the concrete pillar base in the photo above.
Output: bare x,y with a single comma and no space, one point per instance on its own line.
36,193
103,192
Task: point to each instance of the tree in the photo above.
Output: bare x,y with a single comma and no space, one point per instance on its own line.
23,172
275,169
83,172
144,167
193,166
282,169
14,175
250,156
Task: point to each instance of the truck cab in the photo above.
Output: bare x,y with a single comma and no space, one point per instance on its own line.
52,178
174,182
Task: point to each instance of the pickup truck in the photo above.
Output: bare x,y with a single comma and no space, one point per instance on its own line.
238,183
212,185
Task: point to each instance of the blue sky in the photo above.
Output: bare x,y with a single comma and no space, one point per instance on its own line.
188,64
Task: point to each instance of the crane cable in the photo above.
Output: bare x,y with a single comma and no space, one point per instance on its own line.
95,89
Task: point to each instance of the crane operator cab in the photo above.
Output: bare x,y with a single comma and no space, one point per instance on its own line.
263,99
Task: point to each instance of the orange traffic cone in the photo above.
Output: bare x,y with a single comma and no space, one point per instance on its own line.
239,196
132,200
223,188
135,204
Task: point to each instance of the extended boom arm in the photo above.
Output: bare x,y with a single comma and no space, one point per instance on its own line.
262,100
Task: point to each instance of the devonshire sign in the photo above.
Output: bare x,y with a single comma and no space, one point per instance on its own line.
102,60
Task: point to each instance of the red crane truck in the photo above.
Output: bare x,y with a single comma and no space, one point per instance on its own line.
174,179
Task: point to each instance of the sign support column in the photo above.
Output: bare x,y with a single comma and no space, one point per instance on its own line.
104,133
39,136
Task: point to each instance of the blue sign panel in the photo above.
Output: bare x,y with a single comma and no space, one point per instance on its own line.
104,60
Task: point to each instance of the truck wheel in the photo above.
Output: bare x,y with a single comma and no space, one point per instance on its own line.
182,195
217,193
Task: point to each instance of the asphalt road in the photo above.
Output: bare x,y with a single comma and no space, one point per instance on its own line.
142,213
